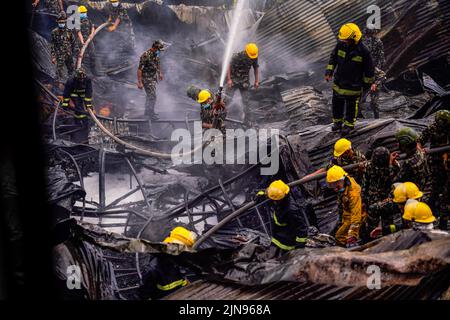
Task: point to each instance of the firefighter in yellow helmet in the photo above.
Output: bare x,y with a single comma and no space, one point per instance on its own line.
344,154
85,31
390,210
349,205
418,215
289,225
238,75
352,67
163,275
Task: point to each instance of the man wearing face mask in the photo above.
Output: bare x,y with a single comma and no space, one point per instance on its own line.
85,31
349,205
62,46
212,112
353,70
148,74
79,89
118,17
415,167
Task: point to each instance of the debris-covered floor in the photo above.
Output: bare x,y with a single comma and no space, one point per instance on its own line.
114,205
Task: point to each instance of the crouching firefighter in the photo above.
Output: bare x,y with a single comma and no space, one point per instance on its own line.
353,70
289,225
79,89
349,205
163,275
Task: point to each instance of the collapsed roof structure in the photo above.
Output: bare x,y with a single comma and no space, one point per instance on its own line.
115,230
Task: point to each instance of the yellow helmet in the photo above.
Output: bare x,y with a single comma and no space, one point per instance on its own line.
277,190
350,31
203,96
335,173
82,9
182,236
252,50
418,212
412,191
399,193
341,146
113,0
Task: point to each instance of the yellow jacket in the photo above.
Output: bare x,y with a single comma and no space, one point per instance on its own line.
350,203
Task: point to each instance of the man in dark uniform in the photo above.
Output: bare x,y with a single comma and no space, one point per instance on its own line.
62,47
148,74
78,89
438,135
352,67
238,77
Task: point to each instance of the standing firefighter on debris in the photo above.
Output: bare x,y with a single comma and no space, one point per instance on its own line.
438,135
352,67
376,49
62,48
148,74
163,275
238,77
289,226
349,205
78,89
84,32
120,20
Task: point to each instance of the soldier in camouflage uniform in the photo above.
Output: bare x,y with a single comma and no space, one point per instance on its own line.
375,46
238,77
415,167
120,20
438,135
149,72
52,6
62,47
377,183
86,30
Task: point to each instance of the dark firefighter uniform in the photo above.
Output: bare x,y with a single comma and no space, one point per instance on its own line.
79,90
289,228
162,278
353,69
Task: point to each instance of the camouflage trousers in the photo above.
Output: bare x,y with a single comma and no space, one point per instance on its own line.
440,199
243,89
61,61
150,91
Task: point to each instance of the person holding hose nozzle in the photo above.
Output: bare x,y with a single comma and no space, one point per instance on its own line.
148,74
352,67
289,225
119,18
79,89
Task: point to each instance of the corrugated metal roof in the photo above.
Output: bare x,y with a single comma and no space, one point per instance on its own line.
431,287
306,29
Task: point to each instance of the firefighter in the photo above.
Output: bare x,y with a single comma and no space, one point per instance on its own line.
84,32
289,225
344,154
418,215
79,89
120,21
238,75
349,205
438,135
353,70
212,111
163,275
62,48
390,210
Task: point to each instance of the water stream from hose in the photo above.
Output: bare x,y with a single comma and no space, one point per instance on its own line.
231,37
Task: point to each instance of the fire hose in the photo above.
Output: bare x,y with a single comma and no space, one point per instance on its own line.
308,178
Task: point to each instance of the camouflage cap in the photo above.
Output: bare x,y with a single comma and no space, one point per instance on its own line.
159,44
80,73
380,157
61,17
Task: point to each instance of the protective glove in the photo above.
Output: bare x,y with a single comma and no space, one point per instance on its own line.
112,28
352,242
260,196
